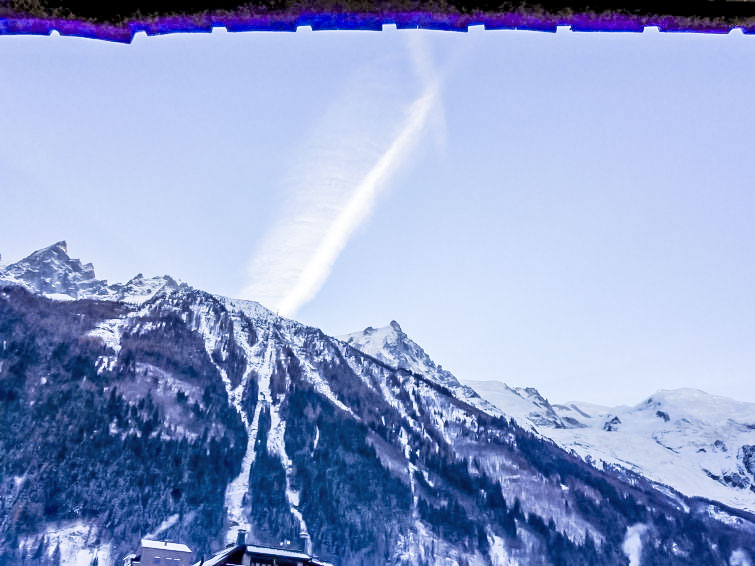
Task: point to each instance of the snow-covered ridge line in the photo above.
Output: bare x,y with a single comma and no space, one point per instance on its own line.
700,445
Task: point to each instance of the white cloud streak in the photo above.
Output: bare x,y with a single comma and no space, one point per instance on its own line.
341,177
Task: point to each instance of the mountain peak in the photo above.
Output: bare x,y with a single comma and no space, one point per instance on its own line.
52,272
392,346
679,394
56,249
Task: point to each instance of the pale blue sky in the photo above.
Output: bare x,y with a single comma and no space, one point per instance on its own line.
574,211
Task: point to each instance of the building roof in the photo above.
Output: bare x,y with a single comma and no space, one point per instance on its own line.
253,548
146,543
219,558
235,553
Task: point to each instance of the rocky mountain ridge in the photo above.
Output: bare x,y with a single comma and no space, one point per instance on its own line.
52,273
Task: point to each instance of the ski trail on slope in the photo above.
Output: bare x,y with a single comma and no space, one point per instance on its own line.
237,491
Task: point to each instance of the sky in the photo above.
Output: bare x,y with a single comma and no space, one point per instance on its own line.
568,211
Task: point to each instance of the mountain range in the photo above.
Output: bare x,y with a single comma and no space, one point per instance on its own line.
151,408
701,445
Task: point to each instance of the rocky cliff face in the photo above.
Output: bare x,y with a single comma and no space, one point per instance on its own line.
173,412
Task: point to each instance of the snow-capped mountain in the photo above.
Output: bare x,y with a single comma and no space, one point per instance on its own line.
50,272
393,347
160,408
701,445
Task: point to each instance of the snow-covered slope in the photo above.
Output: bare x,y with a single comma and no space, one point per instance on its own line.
699,444
524,404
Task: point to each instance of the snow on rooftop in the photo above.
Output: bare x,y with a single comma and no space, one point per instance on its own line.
218,558
251,548
222,556
146,543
